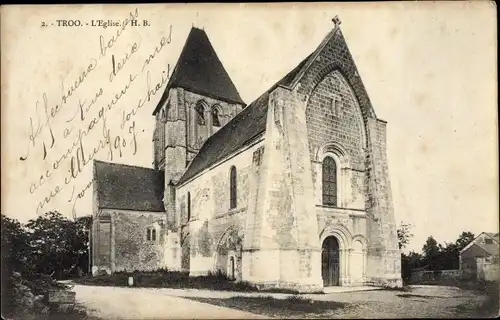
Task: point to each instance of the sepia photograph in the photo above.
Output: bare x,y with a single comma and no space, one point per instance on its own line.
250,161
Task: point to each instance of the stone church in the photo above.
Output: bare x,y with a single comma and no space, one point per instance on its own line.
289,191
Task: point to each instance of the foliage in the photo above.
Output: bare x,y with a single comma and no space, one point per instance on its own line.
404,235
15,246
431,252
464,239
435,256
60,245
31,254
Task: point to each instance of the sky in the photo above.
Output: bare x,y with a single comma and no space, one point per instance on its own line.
429,69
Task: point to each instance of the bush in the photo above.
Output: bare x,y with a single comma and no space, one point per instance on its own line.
28,298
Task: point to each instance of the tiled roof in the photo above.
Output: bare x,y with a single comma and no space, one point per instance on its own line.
238,132
128,187
199,70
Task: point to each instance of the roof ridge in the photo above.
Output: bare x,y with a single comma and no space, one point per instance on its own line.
124,165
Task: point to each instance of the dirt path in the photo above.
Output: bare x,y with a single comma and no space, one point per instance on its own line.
155,303
131,303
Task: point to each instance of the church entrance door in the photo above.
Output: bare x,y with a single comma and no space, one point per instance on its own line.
330,259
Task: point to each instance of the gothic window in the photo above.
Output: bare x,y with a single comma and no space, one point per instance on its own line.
215,117
232,188
329,182
151,234
189,206
200,113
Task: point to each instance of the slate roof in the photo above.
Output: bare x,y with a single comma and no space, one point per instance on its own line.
199,70
238,132
128,187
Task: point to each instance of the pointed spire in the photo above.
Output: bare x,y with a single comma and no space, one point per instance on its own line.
199,70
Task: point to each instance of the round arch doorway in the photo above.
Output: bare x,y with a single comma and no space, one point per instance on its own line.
330,262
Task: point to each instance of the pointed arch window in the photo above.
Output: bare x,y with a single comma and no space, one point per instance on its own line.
329,182
215,117
151,234
232,188
200,113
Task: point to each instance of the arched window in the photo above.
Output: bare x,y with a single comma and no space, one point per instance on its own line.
200,113
329,182
189,207
151,234
232,188
215,117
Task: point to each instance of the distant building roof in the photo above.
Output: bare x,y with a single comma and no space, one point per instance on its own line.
238,132
199,70
493,235
490,248
128,187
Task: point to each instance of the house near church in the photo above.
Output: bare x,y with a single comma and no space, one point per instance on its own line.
480,258
289,191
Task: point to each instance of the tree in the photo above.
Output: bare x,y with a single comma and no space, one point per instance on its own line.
15,246
464,239
59,245
409,262
404,235
431,251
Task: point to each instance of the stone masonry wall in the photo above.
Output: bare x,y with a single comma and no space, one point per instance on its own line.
281,247
324,125
198,134
344,128
362,135
211,215
184,137
336,56
384,256
131,249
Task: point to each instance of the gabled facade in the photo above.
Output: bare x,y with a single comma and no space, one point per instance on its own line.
291,191
480,257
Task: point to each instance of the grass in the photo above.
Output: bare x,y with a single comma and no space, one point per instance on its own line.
289,307
174,280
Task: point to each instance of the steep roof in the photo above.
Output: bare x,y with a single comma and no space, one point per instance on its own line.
490,248
238,132
199,70
128,187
